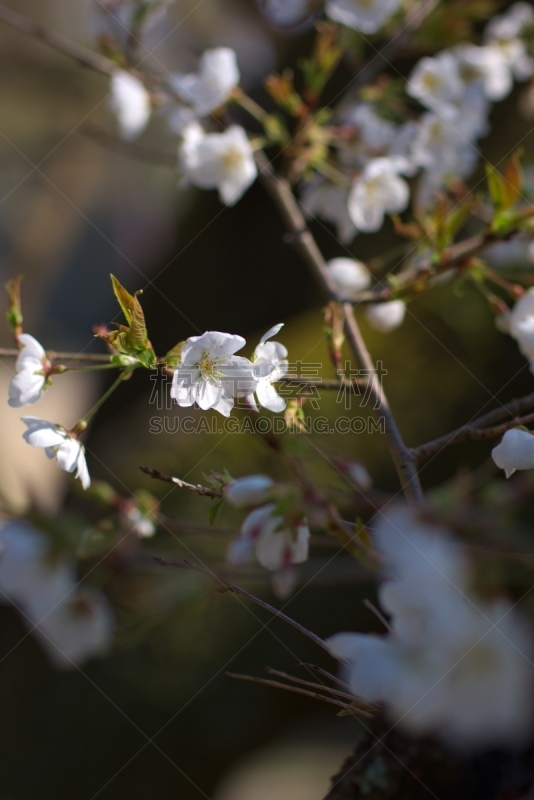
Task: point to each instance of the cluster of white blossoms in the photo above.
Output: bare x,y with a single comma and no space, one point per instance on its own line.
451,665
72,623
210,375
277,543
27,387
457,88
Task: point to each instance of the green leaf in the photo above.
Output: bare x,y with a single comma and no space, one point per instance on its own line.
126,300
214,510
138,331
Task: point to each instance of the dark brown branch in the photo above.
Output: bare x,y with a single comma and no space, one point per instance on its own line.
204,491
81,54
233,589
482,428
301,682
280,191
352,708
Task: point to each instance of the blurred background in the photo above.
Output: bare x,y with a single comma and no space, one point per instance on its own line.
159,718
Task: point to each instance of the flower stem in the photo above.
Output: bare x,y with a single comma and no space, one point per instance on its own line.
81,425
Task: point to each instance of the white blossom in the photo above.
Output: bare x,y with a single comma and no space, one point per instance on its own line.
452,666
349,275
223,161
329,202
29,383
386,317
59,444
378,191
211,375
516,451
76,630
437,84
266,535
503,35
253,490
521,324
130,100
270,365
141,523
367,16
72,624
287,13
210,87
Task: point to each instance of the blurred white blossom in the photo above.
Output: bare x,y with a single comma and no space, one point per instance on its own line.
386,317
59,444
367,16
29,383
349,275
130,100
378,191
452,665
210,87
516,451
72,624
250,491
223,161
329,201
436,83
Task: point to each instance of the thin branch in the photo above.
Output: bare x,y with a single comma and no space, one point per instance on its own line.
280,191
324,673
53,355
378,614
301,682
204,491
481,428
233,589
278,685
81,54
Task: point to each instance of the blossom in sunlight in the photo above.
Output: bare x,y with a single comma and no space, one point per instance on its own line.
253,490
270,365
223,161
386,317
516,451
59,444
130,101
452,665
30,381
329,202
377,192
72,624
266,536
211,375
437,84
210,87
349,275
367,16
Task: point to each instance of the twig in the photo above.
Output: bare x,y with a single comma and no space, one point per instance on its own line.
324,673
344,695
378,614
204,491
230,587
282,195
53,355
78,52
278,685
480,428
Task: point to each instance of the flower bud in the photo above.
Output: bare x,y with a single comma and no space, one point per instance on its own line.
252,490
516,451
